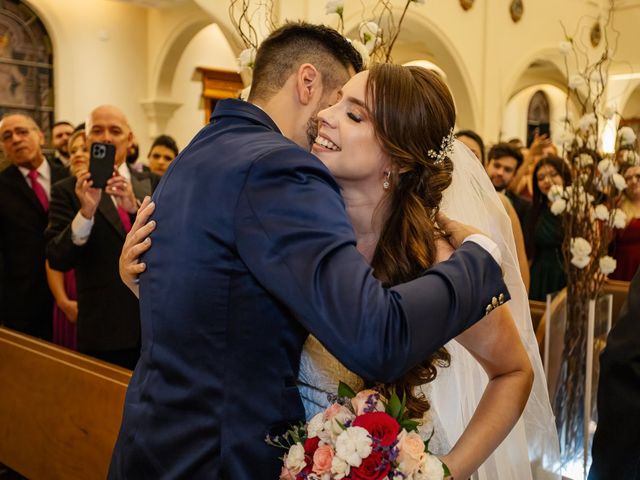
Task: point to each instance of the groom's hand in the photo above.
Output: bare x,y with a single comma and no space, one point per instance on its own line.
135,244
455,230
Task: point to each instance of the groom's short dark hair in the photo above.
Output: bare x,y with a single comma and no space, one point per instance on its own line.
295,43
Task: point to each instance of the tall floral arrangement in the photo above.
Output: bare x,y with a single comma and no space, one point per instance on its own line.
589,207
376,35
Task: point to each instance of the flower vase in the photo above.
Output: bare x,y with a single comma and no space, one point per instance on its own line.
576,330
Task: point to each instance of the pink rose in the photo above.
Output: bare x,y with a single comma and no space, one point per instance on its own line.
367,401
322,459
285,474
334,409
411,452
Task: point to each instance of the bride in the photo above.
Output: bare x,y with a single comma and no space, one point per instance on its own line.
388,144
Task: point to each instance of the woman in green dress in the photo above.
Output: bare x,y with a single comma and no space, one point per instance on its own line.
544,232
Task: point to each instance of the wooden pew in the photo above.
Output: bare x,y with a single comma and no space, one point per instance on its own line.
60,411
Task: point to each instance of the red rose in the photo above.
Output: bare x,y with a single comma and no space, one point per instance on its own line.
311,445
371,467
380,426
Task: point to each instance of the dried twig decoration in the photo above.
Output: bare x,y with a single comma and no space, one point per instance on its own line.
596,34
466,4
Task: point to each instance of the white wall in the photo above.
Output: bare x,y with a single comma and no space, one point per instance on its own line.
208,48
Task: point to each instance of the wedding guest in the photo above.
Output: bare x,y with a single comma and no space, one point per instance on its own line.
26,303
616,443
523,181
63,284
503,163
163,150
60,134
543,230
87,227
474,141
626,244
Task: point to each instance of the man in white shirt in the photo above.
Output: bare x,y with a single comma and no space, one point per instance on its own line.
26,303
86,232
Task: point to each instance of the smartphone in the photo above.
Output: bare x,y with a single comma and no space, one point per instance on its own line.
101,163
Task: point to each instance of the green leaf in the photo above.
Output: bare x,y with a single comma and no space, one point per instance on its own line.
445,468
345,390
394,408
409,425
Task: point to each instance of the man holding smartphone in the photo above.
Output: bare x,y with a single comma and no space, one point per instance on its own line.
87,227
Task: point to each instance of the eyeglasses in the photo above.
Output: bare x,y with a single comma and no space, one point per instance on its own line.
635,177
20,132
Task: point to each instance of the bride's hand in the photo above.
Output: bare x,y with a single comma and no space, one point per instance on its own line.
457,231
136,243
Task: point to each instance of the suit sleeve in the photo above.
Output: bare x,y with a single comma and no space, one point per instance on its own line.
62,253
293,233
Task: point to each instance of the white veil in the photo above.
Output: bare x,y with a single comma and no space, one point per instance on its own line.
532,446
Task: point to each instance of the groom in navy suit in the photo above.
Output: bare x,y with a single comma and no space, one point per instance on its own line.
252,251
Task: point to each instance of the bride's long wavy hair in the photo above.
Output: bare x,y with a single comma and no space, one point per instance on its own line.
412,112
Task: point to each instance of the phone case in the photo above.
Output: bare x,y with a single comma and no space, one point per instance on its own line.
101,163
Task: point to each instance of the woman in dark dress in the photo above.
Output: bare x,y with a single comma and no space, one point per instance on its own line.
544,232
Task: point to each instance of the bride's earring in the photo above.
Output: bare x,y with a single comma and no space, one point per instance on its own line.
386,183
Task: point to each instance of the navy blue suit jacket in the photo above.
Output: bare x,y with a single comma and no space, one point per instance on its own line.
253,250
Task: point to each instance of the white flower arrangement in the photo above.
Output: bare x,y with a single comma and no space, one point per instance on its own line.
334,6
352,445
576,81
247,58
607,264
370,35
627,136
618,219
587,122
565,48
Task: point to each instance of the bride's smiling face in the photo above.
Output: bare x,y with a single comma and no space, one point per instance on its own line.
346,141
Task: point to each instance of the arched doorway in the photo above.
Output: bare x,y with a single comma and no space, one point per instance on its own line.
538,117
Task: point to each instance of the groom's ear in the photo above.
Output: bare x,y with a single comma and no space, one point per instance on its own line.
308,83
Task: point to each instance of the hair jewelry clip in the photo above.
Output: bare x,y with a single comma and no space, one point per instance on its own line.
446,148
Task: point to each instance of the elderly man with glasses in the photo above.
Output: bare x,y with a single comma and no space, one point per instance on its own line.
25,188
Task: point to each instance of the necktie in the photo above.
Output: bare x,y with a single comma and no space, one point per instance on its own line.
38,189
125,218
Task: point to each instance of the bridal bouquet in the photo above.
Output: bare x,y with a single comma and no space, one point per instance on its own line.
362,437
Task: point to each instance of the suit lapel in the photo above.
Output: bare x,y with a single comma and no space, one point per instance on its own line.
109,212
141,185
17,179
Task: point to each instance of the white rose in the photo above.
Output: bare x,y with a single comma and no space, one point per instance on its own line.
584,160
352,445
609,111
627,136
580,262
558,206
566,139
430,469
340,468
370,35
565,47
607,264
556,192
630,157
247,58
294,460
618,218
362,50
602,212
576,81
619,181
607,168
315,426
580,247
587,121
334,6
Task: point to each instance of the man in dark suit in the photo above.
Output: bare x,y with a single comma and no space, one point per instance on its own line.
252,251
616,444
503,162
86,231
26,303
